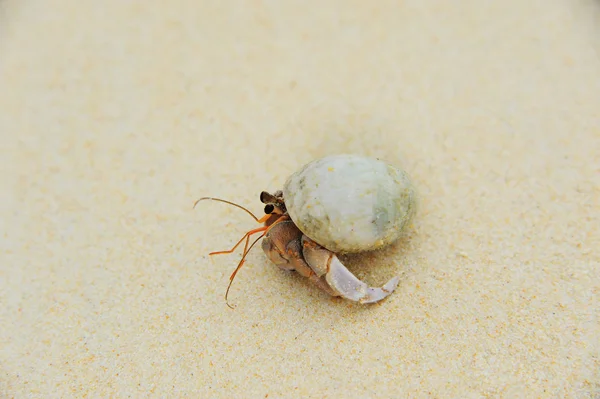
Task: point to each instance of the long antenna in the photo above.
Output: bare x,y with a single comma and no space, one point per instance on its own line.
227,202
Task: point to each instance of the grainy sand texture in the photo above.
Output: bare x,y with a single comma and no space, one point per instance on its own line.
115,116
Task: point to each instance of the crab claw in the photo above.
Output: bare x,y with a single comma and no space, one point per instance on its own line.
350,287
327,265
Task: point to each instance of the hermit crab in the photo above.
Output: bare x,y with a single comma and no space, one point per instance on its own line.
339,204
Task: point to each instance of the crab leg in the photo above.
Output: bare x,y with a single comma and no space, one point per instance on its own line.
245,237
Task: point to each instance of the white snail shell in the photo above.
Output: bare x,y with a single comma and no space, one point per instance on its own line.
350,203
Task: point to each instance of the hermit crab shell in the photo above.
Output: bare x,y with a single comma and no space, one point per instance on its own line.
350,203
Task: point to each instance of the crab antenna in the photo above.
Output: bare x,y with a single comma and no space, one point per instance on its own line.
227,202
239,267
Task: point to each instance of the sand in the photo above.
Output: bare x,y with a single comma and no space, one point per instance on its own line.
115,116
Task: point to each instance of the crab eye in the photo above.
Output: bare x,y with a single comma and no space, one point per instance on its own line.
269,209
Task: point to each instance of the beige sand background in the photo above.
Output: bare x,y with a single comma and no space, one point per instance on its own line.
117,115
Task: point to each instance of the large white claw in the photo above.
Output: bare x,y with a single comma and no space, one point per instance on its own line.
350,287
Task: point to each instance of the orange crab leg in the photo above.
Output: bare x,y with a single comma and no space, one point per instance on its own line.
245,237
246,251
239,266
